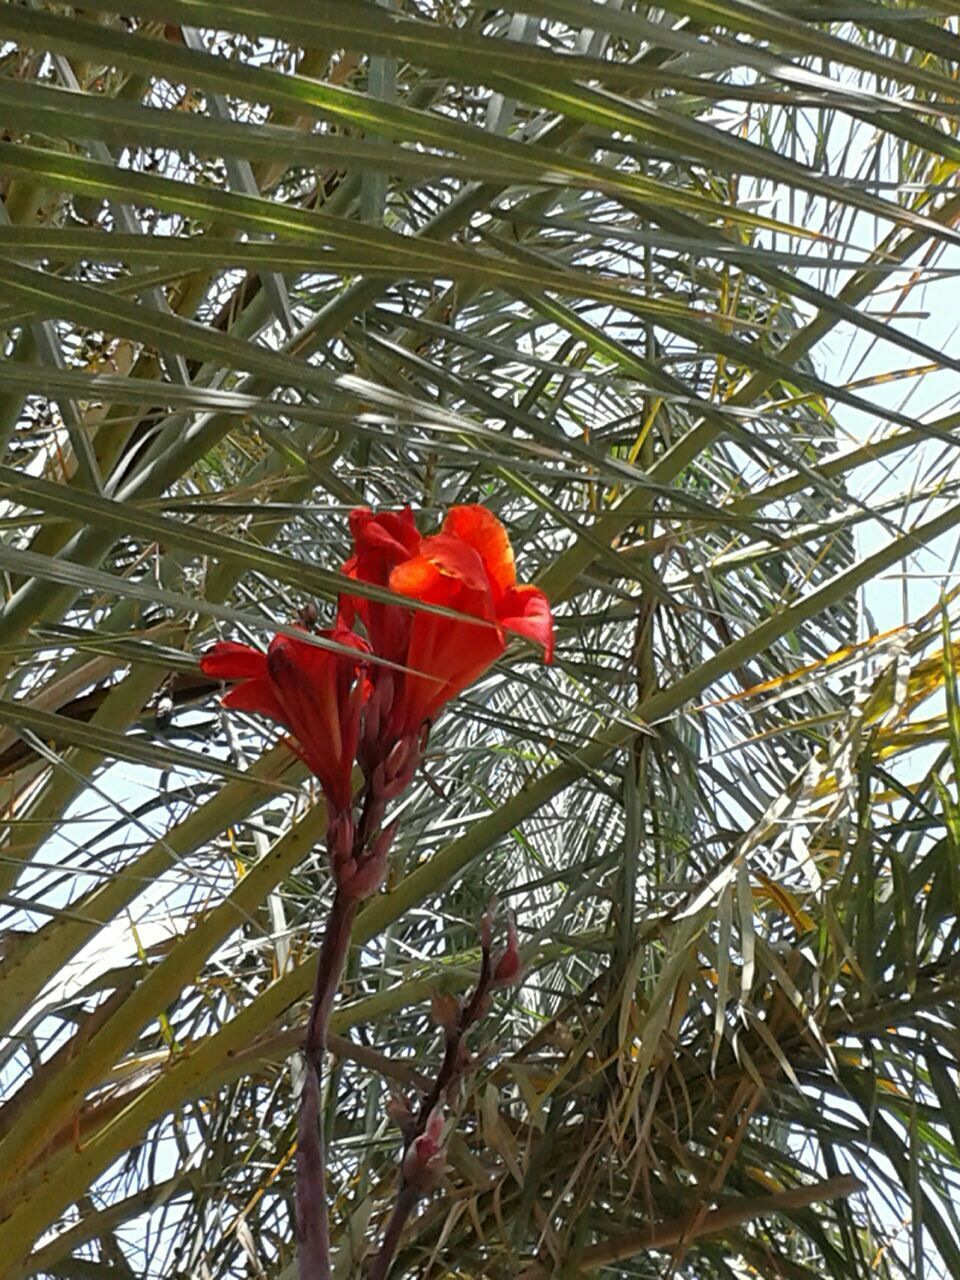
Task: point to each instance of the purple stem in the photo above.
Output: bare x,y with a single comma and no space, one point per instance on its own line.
313,1231
404,1205
450,1068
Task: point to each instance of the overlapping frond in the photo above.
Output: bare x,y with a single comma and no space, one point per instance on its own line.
595,266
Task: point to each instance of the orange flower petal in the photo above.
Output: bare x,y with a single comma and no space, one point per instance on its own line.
457,559
446,572
420,579
480,529
448,656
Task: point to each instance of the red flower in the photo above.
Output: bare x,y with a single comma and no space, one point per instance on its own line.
381,542
469,568
312,691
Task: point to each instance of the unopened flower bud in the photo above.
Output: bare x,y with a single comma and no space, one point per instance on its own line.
508,966
361,878
422,1155
444,1009
481,1008
403,780
397,758
485,928
400,765
340,838
398,1111
378,781
386,686
383,842
394,772
344,870
464,1059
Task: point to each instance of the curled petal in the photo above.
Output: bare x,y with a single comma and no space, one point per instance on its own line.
457,565
508,966
387,538
227,660
381,542
419,578
526,612
315,692
480,529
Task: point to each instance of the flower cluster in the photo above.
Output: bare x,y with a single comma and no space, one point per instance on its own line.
366,691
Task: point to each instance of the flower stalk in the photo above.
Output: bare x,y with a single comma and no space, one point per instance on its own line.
342,707
422,1159
313,1231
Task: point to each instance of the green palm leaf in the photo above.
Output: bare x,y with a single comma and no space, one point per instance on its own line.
596,266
